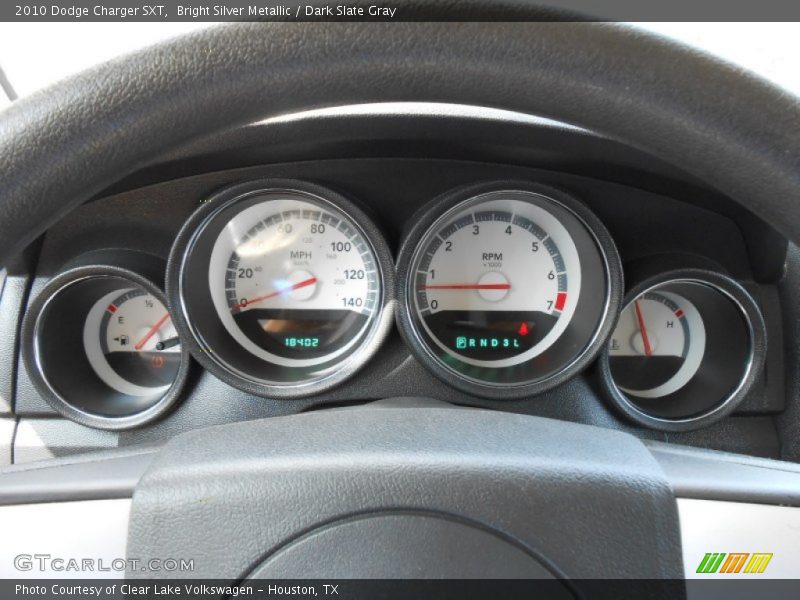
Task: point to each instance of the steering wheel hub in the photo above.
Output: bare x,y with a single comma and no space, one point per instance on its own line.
349,493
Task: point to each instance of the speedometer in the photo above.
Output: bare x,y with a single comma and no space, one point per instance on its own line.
299,284
285,288
508,290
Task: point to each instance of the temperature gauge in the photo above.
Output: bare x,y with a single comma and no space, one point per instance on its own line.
131,343
685,351
658,345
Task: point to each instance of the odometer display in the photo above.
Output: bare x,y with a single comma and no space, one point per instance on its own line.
284,289
506,290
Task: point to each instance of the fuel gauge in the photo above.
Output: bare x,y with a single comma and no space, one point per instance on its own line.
99,344
131,343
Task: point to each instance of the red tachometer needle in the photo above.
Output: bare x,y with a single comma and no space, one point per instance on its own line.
151,332
291,288
648,350
470,286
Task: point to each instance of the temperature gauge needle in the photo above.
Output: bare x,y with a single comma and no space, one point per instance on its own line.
151,332
469,286
648,349
291,288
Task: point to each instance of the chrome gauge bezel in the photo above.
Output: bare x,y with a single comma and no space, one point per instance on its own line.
596,237
32,341
185,293
753,321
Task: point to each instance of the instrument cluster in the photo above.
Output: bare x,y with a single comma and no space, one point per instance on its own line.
285,289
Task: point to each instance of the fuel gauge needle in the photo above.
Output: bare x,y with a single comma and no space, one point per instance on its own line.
648,350
151,332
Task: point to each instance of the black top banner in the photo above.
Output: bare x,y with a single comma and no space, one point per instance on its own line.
398,10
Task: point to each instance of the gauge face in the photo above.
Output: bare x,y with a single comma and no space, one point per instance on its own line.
131,343
498,283
507,288
293,283
686,349
658,345
285,290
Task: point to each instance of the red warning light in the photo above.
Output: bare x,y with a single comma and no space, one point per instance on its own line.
523,329
157,362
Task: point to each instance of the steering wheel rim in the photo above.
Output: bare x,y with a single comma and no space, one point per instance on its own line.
67,143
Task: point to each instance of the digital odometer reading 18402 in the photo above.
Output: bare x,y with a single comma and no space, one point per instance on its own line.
295,285
496,282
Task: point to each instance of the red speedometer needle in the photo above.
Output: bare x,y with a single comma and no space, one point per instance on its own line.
648,350
291,288
151,332
469,286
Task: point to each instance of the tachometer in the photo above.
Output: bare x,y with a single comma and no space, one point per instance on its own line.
285,287
508,290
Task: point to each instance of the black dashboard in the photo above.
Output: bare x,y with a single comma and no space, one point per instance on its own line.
650,240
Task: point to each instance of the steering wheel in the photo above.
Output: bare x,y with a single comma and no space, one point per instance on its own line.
434,491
